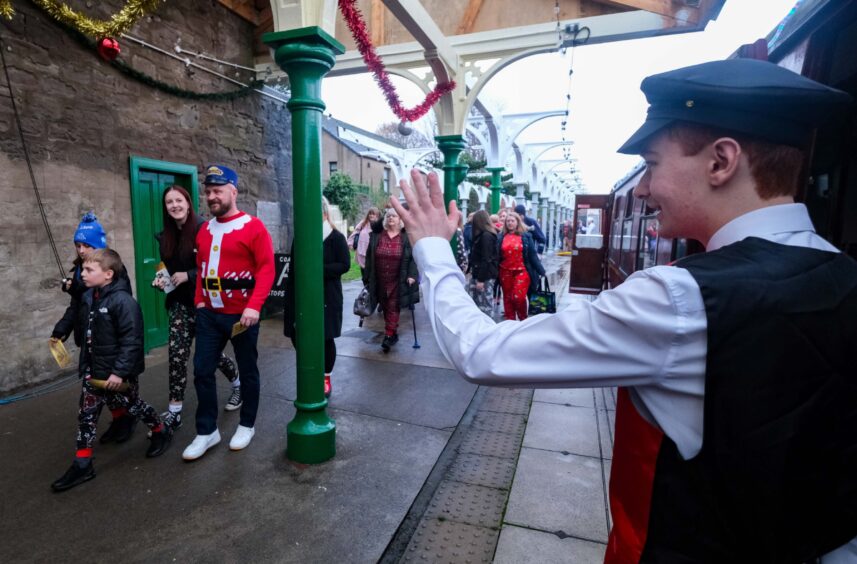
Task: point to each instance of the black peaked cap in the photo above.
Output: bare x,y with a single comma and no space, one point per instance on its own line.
748,96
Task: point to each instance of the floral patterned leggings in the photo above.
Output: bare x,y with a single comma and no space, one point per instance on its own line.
93,399
515,284
182,332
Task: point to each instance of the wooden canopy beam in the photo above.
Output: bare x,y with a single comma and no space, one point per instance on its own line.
469,18
244,8
675,9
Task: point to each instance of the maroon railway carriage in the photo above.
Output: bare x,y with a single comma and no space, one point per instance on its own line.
818,39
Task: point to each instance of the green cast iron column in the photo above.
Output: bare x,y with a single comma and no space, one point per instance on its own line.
454,172
496,185
307,54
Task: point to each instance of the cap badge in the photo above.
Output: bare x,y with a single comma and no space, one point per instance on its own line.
689,103
214,170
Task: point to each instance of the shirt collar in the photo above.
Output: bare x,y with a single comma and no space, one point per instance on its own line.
765,223
230,218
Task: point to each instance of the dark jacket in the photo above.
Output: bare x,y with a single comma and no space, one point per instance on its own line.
71,321
468,236
183,293
531,259
337,261
538,234
116,324
409,294
484,257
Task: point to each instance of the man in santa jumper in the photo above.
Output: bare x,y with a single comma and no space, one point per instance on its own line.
235,261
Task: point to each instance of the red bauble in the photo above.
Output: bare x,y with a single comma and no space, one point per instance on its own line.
487,184
108,48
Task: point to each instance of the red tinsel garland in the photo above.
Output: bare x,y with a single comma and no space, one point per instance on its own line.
355,22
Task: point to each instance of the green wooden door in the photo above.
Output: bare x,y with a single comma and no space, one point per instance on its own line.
149,179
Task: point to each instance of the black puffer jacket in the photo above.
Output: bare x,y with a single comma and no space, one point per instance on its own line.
116,324
73,319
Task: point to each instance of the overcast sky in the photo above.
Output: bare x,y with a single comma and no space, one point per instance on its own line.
607,105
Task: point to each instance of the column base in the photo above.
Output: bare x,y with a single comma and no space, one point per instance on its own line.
311,437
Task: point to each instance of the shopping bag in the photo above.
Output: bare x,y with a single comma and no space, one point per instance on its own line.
542,300
364,304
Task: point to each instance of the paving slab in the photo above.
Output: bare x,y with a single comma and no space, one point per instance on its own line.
579,397
519,545
468,503
482,471
563,429
555,492
446,541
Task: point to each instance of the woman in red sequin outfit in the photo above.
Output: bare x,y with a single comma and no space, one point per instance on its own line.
391,272
520,267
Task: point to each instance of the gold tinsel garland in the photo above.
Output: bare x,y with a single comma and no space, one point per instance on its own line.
119,23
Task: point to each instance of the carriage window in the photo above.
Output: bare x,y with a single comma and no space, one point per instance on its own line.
589,234
647,252
626,235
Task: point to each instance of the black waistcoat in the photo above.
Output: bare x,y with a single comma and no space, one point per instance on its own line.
776,479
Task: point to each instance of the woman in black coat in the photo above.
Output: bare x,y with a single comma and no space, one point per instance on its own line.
484,262
337,261
391,273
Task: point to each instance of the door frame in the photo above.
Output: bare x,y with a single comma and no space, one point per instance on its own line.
136,164
591,201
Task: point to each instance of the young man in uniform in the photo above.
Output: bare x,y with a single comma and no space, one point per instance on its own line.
736,424
235,262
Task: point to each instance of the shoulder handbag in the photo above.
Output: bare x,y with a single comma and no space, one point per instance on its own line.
365,303
542,300
356,238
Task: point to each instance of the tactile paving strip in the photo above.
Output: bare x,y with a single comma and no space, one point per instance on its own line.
508,402
500,422
482,471
467,503
445,541
501,445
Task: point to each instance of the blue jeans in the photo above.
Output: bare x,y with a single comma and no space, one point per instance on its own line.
213,330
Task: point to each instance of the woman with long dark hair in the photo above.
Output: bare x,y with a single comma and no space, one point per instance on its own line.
176,244
362,232
337,261
520,266
484,262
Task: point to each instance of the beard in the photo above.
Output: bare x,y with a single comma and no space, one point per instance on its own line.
220,209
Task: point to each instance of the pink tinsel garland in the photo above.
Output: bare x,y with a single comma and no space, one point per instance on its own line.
355,22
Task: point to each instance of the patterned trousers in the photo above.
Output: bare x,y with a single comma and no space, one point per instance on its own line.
484,299
515,285
93,399
182,332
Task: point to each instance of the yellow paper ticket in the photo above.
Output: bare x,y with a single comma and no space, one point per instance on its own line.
60,353
237,329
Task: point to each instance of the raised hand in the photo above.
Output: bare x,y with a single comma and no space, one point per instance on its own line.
426,216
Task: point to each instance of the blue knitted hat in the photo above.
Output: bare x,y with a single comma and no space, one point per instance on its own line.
91,232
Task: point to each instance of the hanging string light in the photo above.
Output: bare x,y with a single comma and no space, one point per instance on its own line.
575,31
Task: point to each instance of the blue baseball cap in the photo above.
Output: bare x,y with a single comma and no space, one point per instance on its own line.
755,98
219,174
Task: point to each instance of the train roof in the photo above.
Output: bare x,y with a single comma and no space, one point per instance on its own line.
795,25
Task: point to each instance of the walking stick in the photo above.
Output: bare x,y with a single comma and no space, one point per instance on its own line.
414,323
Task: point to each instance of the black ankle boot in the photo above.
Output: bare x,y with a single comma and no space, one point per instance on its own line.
159,441
127,424
78,473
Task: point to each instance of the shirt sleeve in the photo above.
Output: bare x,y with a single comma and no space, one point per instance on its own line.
629,336
263,255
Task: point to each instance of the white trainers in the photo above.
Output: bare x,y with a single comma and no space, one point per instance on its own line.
242,437
201,444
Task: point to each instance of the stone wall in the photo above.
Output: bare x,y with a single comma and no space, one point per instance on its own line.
82,120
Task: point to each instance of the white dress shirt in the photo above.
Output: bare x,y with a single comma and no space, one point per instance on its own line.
650,333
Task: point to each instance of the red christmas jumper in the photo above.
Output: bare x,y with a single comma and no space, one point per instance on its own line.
237,247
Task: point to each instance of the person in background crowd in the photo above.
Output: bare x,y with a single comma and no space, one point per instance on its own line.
235,261
359,238
391,273
484,262
495,221
520,267
112,357
530,224
89,236
337,261
176,246
736,417
468,233
461,254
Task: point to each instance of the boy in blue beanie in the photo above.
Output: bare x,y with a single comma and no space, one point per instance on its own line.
88,237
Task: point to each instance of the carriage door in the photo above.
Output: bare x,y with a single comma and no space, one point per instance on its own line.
589,244
149,178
